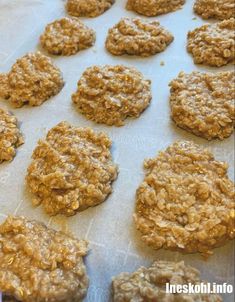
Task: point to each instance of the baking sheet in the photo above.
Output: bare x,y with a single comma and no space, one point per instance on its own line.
115,244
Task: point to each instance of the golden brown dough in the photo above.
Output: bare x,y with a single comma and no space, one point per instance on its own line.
39,264
10,136
67,36
32,80
110,94
213,44
137,37
4,87
186,201
152,8
219,9
203,103
149,284
72,170
88,8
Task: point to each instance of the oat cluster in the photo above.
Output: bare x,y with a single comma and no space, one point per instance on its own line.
213,44
152,8
137,37
72,170
39,264
110,94
67,36
10,136
186,201
218,9
203,103
4,87
149,284
32,80
88,8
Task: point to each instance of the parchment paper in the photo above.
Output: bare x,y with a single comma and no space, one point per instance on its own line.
114,242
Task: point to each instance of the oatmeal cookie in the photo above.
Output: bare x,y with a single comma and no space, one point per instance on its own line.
203,103
152,8
32,80
40,264
149,284
67,36
110,94
186,201
4,87
219,9
88,8
137,37
10,136
72,169
213,44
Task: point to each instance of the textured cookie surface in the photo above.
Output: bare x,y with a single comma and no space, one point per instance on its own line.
110,94
67,36
88,8
39,264
186,201
10,136
137,37
149,284
72,169
203,103
219,9
152,8
213,44
32,80
4,88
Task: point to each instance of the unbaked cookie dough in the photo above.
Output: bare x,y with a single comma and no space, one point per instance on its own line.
219,9
40,264
203,103
137,37
88,8
10,136
152,8
32,80
110,94
213,44
72,170
186,201
67,36
149,284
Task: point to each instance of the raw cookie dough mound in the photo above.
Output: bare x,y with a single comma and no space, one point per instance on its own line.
72,170
137,37
88,8
39,264
10,136
32,80
110,94
219,9
149,284
203,103
67,36
213,44
152,8
186,201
